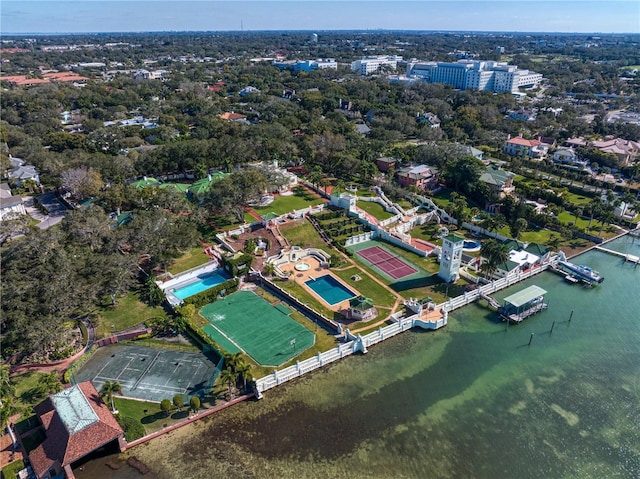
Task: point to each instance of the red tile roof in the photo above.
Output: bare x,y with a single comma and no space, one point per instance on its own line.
518,140
63,448
231,116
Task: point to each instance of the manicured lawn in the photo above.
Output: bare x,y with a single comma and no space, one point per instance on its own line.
565,218
190,259
541,236
303,234
153,419
127,313
26,390
374,209
301,198
301,293
428,232
367,287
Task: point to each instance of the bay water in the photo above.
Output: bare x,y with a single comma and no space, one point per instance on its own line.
476,399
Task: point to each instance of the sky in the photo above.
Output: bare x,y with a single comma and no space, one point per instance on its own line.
571,16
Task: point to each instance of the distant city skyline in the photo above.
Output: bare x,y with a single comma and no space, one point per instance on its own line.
96,16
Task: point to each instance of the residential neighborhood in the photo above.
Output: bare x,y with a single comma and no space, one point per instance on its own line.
191,221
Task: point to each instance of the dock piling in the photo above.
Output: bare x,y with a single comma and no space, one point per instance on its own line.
530,339
571,315
552,325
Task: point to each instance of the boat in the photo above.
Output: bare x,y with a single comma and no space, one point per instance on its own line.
581,272
571,279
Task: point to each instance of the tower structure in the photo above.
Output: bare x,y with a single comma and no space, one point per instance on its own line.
451,257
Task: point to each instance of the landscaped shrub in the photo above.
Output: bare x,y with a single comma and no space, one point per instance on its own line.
68,374
211,294
133,429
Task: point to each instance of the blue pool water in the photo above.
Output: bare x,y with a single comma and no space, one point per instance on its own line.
204,283
330,289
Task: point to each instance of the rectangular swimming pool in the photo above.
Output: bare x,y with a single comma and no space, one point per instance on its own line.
330,289
204,283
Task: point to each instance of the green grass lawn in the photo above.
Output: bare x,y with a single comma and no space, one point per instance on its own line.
149,413
540,236
303,234
190,259
300,199
127,313
26,391
367,287
11,470
374,209
565,218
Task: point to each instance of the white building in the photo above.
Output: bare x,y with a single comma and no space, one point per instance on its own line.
369,65
475,75
451,257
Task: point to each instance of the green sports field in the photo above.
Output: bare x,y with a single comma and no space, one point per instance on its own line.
243,321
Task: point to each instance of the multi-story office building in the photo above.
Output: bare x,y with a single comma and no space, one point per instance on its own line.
369,65
476,75
307,65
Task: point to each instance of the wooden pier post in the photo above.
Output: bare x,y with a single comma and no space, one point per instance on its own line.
571,315
530,339
552,325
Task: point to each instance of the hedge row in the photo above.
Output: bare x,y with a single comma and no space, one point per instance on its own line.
77,363
211,294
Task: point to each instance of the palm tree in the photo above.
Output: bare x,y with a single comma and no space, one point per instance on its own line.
495,253
108,390
229,377
315,176
233,361
244,371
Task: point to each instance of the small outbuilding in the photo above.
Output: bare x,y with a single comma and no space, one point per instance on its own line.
361,309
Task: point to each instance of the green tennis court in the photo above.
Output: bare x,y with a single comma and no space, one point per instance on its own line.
243,321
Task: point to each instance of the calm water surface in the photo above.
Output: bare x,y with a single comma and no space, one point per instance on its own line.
472,400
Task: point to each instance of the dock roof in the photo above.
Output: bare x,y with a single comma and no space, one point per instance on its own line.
525,296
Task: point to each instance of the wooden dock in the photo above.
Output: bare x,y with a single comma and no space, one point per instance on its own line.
627,257
522,315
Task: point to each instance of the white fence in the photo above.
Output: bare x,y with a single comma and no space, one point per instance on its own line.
354,343
361,238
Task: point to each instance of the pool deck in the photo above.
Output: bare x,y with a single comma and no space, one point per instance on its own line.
315,271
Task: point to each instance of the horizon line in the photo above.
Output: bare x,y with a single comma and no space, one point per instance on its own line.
357,30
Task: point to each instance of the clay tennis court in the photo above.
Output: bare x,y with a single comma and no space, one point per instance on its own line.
386,262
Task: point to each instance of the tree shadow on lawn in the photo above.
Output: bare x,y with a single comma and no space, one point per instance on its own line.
151,418
180,415
422,282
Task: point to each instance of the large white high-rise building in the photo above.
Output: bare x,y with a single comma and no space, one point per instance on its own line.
369,65
475,74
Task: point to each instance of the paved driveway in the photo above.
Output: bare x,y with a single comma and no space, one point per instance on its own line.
55,209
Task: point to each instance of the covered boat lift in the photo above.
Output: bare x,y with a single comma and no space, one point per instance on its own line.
523,304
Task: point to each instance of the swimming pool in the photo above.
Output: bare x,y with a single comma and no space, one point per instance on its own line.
330,289
471,246
204,283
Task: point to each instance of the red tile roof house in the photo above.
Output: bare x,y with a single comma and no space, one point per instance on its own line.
519,146
231,116
76,423
422,176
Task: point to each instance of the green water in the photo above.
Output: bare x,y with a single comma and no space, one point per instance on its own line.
472,400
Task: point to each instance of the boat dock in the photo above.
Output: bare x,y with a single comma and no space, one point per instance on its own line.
627,257
519,306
